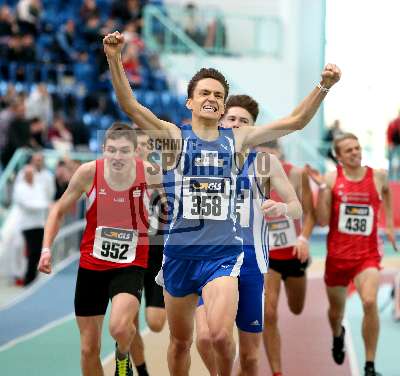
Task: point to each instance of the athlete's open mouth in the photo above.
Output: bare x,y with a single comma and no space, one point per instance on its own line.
209,108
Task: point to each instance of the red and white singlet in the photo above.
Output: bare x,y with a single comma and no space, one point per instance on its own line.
117,223
283,231
353,227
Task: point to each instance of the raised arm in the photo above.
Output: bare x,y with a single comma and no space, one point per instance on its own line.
138,113
325,185
249,137
77,186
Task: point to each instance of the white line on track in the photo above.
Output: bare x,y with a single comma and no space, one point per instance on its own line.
351,352
41,281
37,332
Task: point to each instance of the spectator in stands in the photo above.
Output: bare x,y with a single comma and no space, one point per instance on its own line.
216,35
130,62
40,104
7,116
8,25
33,202
37,129
132,37
393,133
332,132
65,48
18,132
128,10
8,97
393,142
192,24
60,136
28,16
88,8
65,169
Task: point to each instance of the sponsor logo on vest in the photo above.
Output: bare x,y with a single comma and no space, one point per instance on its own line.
206,186
357,210
278,225
116,233
136,193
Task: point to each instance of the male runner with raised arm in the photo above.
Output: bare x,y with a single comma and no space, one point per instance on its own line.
260,173
203,251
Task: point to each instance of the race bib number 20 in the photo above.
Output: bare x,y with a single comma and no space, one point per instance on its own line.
206,198
282,233
115,244
356,219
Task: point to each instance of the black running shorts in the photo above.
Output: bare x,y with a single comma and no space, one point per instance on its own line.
95,288
153,293
289,268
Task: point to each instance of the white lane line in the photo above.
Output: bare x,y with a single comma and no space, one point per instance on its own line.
350,349
43,279
37,332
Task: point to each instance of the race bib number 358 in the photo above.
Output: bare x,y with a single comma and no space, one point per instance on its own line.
115,244
206,198
356,219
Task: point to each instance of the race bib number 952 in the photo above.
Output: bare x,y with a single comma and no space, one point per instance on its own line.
356,219
115,244
206,198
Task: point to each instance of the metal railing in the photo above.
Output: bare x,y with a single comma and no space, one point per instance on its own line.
166,30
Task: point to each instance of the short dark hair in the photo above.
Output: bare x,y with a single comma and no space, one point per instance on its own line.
244,101
340,138
118,130
207,73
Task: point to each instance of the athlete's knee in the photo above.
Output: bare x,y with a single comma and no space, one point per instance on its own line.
221,339
203,340
335,314
90,350
249,362
296,307
369,304
119,330
180,345
156,324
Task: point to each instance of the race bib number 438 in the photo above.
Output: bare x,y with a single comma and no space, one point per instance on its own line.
356,219
206,198
115,244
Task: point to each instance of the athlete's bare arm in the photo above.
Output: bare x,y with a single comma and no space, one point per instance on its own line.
300,181
382,184
80,183
324,203
280,182
303,191
140,115
249,137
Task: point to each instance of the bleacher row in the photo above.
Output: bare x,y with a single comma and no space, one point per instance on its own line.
81,89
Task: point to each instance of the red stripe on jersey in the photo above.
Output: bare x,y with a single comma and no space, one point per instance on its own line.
117,209
353,246
284,253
